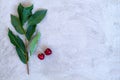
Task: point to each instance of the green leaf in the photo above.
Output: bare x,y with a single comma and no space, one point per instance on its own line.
24,13
20,47
34,42
23,57
17,25
30,32
37,17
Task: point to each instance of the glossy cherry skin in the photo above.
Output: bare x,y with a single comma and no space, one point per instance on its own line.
41,56
48,51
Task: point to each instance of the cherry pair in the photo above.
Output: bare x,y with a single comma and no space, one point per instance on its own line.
47,52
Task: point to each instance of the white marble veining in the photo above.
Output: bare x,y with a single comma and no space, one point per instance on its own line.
83,34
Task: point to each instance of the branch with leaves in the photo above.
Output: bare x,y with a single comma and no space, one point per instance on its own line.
26,25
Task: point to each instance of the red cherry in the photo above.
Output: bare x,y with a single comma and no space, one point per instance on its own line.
48,51
41,56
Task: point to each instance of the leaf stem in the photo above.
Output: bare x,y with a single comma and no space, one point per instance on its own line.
27,68
27,65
